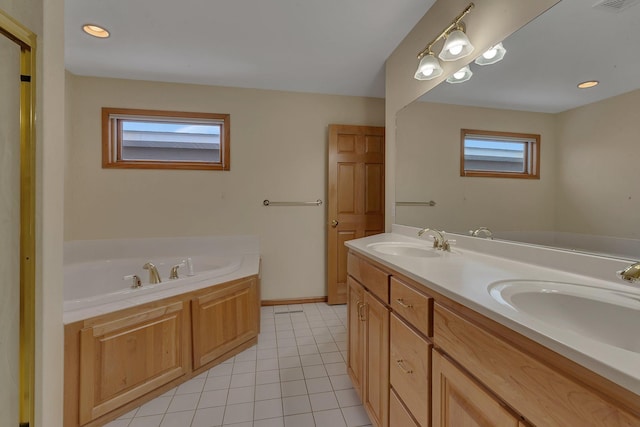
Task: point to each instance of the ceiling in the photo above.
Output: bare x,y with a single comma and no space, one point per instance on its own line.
570,43
320,46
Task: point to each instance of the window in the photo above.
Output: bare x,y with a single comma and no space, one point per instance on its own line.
499,154
149,139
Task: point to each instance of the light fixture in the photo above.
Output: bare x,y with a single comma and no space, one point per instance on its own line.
492,55
95,31
456,46
588,84
462,75
428,68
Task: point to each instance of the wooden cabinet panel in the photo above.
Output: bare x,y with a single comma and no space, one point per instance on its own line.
459,401
415,307
543,395
399,416
376,280
355,332
376,383
121,359
409,369
223,319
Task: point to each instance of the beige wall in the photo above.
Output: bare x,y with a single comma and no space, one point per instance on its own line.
489,22
428,155
278,152
598,171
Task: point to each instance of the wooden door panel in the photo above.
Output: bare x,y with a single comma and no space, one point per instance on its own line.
346,181
355,201
374,189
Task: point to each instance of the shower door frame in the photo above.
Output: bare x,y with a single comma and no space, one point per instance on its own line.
26,40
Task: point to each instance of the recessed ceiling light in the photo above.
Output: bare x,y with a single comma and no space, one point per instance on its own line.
95,31
588,84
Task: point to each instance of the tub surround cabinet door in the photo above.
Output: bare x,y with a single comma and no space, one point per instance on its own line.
223,319
122,359
368,330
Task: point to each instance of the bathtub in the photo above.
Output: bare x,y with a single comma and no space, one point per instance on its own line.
94,271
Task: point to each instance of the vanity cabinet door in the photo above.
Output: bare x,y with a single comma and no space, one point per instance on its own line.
123,357
376,383
410,359
459,401
355,333
224,319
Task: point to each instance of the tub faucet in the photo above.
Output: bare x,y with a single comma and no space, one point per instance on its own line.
174,271
154,276
482,230
439,241
631,273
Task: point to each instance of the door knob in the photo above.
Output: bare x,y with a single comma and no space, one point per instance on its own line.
334,223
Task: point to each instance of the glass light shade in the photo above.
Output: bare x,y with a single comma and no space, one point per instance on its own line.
456,46
461,75
492,55
428,68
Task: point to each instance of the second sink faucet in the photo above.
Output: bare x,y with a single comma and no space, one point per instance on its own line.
154,276
439,241
482,230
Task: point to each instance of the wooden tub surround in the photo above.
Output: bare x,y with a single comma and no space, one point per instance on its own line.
418,358
120,360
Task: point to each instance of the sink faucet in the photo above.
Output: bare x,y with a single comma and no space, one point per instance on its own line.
631,273
439,242
154,276
482,230
174,271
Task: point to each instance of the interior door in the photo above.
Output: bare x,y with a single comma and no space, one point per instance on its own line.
9,230
355,204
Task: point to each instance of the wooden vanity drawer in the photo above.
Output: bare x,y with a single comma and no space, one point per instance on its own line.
409,369
543,395
370,276
399,415
415,307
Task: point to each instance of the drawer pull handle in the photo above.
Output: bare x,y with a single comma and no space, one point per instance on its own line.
402,304
400,364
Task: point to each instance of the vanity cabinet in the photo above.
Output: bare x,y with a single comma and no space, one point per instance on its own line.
450,366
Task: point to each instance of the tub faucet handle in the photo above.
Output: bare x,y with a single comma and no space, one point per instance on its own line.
174,271
135,280
154,276
189,263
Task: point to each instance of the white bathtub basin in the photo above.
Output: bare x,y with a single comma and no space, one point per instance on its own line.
607,316
404,249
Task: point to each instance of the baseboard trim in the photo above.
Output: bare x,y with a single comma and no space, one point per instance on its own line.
308,300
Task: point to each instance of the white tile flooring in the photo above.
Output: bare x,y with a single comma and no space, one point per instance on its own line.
294,377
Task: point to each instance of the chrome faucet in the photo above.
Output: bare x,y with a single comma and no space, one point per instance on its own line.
631,273
154,276
439,242
482,230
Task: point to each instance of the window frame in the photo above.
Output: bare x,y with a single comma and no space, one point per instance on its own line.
112,143
532,154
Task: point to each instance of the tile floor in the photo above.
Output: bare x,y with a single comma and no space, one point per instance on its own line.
294,377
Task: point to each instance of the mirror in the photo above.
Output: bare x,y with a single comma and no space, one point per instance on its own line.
586,196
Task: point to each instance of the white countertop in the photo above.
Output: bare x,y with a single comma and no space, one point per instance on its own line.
464,274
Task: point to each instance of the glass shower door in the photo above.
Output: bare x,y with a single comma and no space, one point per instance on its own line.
9,232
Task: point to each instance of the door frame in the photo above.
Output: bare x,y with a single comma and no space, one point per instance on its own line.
26,40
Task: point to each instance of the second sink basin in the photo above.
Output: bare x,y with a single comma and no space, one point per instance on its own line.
604,315
403,249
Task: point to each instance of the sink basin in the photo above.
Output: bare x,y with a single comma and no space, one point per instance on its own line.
604,315
404,249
